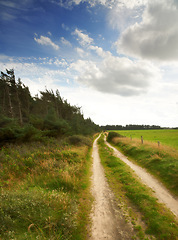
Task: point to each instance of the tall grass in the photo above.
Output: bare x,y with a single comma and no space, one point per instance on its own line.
162,162
43,191
158,221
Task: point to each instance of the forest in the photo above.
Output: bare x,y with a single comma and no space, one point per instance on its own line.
25,118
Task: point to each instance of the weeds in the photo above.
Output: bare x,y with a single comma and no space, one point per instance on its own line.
43,190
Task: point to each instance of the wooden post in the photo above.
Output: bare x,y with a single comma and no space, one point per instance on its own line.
130,137
141,139
158,143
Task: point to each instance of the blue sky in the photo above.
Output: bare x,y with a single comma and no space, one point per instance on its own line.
116,59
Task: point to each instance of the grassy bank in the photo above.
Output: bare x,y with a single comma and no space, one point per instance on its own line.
167,137
162,162
159,222
44,190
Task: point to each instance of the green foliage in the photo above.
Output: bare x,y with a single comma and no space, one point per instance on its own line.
112,135
18,134
42,195
48,113
159,222
78,140
7,122
36,121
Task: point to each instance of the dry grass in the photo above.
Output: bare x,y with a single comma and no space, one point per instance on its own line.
40,188
151,145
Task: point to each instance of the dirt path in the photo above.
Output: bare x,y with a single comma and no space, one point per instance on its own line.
107,221
159,190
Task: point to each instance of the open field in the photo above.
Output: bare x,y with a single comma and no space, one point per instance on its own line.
44,190
167,137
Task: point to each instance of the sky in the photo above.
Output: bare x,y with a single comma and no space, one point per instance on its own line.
116,59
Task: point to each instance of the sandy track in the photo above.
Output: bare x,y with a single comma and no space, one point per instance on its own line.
159,190
107,221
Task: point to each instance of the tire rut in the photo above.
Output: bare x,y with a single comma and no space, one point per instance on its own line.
108,221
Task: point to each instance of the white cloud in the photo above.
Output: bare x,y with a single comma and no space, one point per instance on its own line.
157,106
107,3
83,38
120,17
65,42
100,52
156,36
46,41
130,3
61,63
115,75
80,52
113,109
35,75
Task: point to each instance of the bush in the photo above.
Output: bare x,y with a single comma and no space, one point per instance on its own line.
7,134
18,134
78,140
112,135
27,133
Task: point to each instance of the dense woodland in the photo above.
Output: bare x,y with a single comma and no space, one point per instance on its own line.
23,117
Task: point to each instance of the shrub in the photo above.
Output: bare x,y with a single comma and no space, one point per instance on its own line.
112,135
78,140
27,133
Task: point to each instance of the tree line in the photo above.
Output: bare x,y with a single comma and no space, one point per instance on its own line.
23,116
129,127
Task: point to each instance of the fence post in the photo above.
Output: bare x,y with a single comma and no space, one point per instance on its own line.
158,143
141,139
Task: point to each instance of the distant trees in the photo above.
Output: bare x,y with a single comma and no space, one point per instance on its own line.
129,127
48,113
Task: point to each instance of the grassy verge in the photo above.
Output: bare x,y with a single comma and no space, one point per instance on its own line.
162,162
159,222
44,191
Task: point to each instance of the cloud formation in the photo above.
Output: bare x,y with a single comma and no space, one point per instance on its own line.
83,38
156,36
116,75
107,3
65,42
46,41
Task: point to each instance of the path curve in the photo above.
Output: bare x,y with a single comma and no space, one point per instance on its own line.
159,190
107,221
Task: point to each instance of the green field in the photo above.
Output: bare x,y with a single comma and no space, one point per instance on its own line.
164,136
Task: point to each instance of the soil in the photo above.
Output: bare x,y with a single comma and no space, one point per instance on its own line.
108,220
